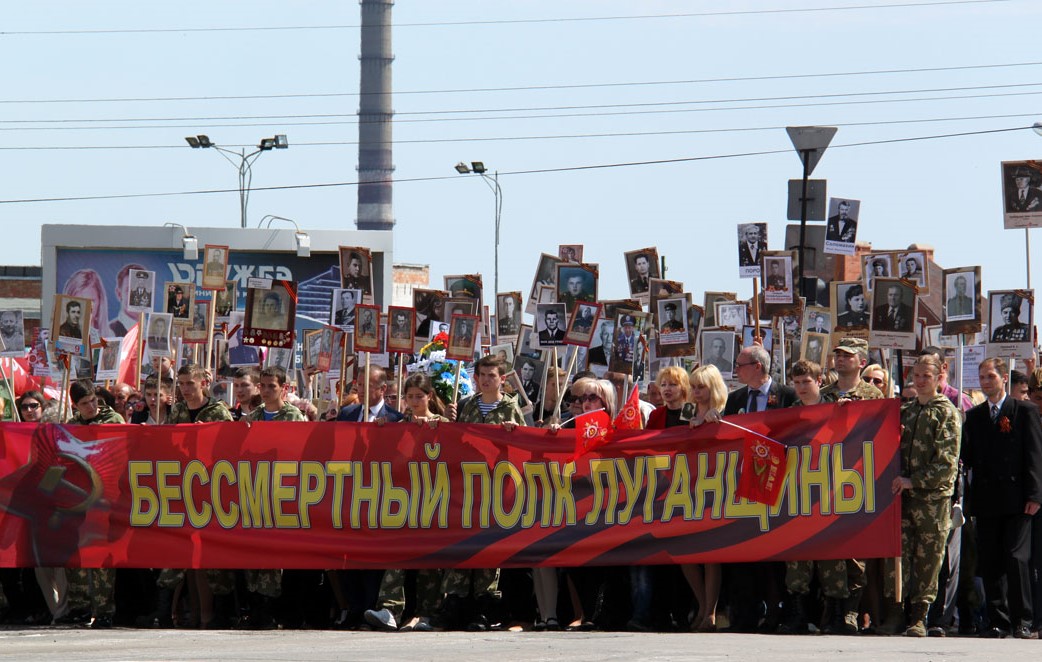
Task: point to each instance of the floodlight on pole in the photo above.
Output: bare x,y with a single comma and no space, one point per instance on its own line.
245,162
189,242
302,239
810,143
478,168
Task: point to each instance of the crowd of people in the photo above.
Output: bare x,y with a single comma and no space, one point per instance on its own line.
970,482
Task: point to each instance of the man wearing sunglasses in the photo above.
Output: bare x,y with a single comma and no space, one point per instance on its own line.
850,358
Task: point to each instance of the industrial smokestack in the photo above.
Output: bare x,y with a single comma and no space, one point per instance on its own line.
375,168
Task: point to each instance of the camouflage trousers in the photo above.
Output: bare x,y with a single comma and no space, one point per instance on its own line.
476,583
839,578
924,535
428,592
264,582
94,588
222,582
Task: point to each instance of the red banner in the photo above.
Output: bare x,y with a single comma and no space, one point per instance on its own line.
342,495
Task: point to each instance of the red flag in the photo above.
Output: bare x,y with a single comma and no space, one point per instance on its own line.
128,367
628,417
591,432
763,468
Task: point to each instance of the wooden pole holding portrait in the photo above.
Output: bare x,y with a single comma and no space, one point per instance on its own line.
139,350
343,370
211,360
455,382
560,391
756,306
10,388
365,391
400,372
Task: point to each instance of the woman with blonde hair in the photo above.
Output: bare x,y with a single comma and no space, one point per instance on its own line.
877,376
709,395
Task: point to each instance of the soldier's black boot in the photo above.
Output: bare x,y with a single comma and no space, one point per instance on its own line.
794,620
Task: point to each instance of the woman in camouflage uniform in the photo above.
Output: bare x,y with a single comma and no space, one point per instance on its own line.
931,430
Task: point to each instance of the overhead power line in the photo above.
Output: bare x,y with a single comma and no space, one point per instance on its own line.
515,21
527,88
599,166
566,136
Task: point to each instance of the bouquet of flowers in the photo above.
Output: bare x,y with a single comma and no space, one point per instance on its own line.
443,377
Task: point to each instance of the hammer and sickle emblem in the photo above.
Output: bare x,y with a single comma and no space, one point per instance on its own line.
54,479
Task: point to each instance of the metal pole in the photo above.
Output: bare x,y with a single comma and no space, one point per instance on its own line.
1027,253
803,220
495,179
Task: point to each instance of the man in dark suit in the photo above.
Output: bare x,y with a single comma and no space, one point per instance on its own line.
750,245
959,304
602,353
1022,196
841,227
1002,451
552,334
642,271
377,407
754,584
894,315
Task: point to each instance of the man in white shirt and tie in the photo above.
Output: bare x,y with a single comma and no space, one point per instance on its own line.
377,407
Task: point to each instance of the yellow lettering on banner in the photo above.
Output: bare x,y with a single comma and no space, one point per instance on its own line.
394,505
435,496
710,484
369,494
312,490
655,465
679,495
742,507
507,519
338,471
869,454
478,470
223,471
168,469
537,491
197,517
141,495
842,478
819,477
631,484
606,494
254,484
564,500
790,484
413,517
281,493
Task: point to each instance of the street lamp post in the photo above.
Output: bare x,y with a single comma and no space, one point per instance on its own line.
245,163
478,168
810,143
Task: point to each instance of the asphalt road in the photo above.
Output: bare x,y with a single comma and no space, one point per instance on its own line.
69,645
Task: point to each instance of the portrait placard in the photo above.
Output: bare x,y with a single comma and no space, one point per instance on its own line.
766,333
719,349
841,227
109,359
367,325
279,357
575,283
270,315
694,318
570,252
752,240
403,329
226,300
141,291
312,345
356,270
459,306
12,332
523,345
849,305
815,347
876,265
70,324
627,349
430,309
550,321
641,266
601,344
505,353
545,275
180,298
462,334
582,324
342,311
508,315
778,278
671,314
530,373
465,286
239,353
199,331
731,314
158,338
961,294
817,319
913,267
215,267
709,301
1011,314
1022,195
660,289
894,314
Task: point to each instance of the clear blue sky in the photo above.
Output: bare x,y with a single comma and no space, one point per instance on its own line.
944,192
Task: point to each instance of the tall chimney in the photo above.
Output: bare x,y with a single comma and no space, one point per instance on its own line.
374,119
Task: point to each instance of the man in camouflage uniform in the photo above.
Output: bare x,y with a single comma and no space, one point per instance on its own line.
101,582
842,581
265,586
931,429
197,406
472,595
